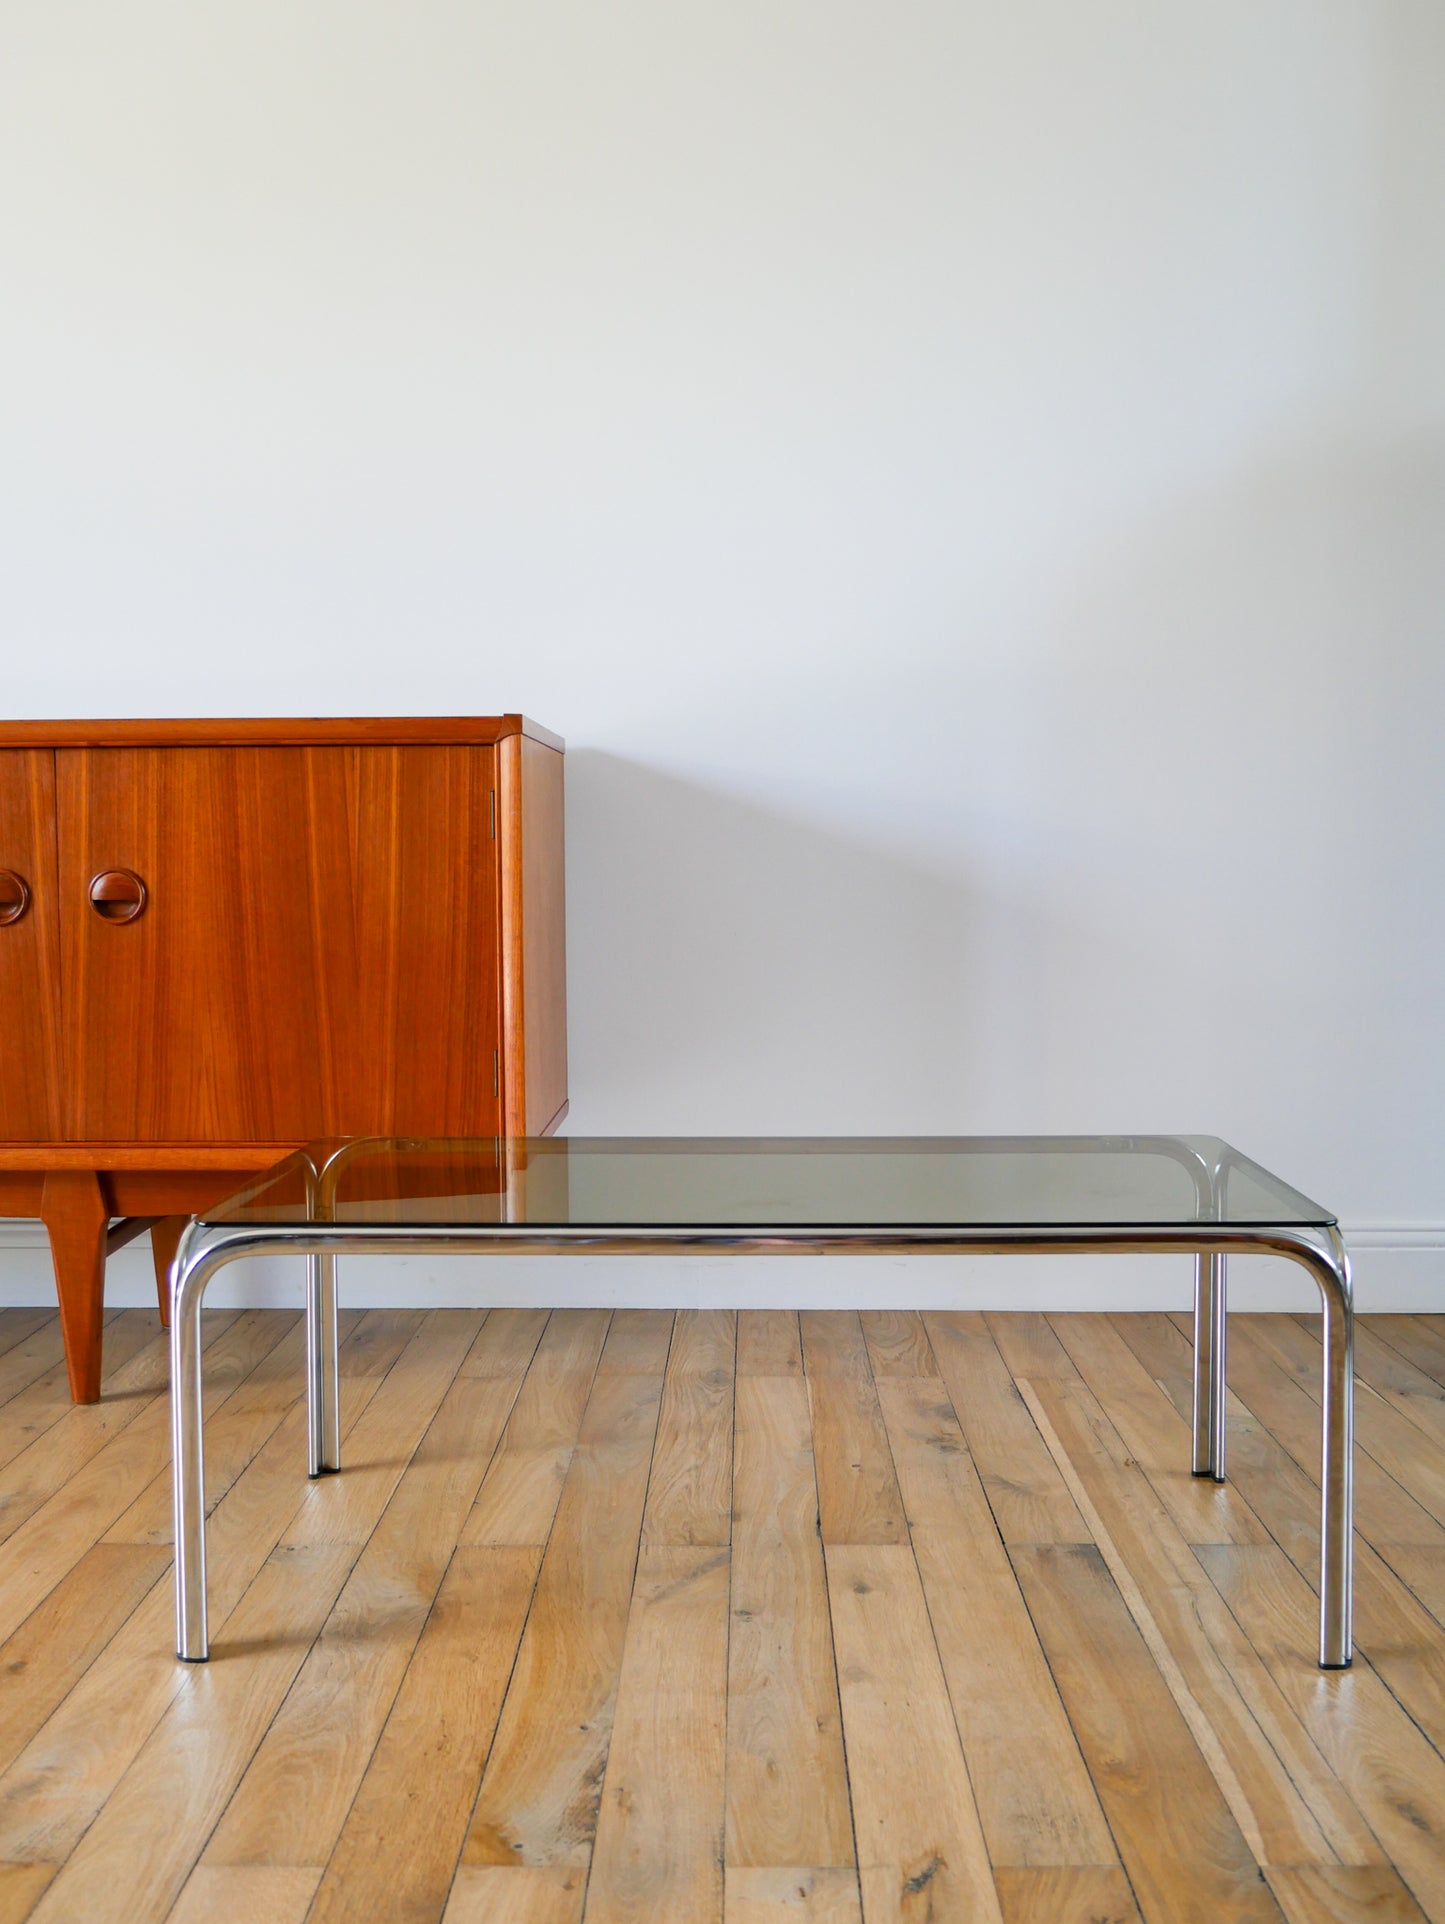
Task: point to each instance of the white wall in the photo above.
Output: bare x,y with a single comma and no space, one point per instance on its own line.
967,479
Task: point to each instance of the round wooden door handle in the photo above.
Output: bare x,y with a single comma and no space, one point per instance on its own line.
117,896
14,896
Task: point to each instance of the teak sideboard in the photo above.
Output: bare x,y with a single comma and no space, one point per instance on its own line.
220,940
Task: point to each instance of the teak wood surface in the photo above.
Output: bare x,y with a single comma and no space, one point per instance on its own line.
273,731
240,936
722,1618
31,1063
318,954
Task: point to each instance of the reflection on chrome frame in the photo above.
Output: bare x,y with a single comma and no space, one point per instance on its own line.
205,1248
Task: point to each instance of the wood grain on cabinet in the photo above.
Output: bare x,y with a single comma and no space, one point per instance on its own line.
222,939
30,1057
317,952
534,950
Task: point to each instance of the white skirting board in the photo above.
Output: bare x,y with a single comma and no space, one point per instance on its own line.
1397,1267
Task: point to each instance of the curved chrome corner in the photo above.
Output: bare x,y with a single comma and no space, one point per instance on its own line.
200,1252
1324,1254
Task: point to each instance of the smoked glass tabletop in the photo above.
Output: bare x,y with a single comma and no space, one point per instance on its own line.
578,1183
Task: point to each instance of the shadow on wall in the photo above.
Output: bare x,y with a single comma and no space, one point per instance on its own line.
1175,824
732,970
1240,736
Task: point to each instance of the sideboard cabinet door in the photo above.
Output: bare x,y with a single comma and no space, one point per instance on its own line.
30,1060
272,944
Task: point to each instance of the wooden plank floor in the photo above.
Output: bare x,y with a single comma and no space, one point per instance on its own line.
722,1619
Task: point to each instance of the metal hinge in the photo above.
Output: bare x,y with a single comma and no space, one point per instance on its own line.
492,800
496,1075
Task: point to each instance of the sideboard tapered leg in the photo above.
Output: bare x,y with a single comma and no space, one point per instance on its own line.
76,1217
165,1234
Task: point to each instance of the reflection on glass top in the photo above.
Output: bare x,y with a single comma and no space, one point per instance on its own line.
750,1183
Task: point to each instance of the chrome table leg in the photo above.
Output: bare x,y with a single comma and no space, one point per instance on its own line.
188,1282
323,1385
1209,1361
1337,1453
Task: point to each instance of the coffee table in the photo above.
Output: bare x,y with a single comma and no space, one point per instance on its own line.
635,1196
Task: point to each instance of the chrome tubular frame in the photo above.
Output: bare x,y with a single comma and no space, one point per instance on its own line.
1209,1349
323,1372
206,1248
